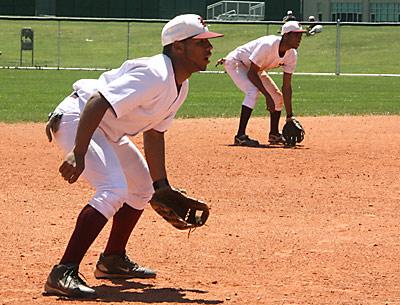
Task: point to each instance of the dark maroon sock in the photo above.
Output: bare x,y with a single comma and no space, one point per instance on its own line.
89,224
244,119
124,222
274,122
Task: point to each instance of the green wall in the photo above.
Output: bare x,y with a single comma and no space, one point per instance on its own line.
17,7
276,10
157,9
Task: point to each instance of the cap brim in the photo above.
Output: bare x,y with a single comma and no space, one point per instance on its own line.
207,35
298,31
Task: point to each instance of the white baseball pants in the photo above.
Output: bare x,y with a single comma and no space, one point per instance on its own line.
238,72
118,171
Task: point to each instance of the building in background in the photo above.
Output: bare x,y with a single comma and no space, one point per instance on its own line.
353,10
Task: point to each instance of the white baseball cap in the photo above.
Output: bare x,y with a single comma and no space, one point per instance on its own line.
186,26
289,13
292,26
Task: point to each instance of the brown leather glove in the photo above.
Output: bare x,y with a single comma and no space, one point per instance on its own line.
180,210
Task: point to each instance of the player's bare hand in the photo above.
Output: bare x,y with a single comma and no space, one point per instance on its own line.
53,124
72,167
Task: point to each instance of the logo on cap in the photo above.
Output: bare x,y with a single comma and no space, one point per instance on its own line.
202,21
186,26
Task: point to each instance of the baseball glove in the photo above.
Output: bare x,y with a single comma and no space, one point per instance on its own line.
314,29
178,209
293,132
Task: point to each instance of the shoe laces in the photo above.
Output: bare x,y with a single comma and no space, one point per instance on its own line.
246,138
130,263
73,275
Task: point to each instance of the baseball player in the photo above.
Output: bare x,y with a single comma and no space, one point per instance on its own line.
289,16
313,28
248,64
93,124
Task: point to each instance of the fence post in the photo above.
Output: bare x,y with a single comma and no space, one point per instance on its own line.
338,47
58,43
129,41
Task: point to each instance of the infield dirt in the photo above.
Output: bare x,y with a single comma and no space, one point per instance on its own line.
318,224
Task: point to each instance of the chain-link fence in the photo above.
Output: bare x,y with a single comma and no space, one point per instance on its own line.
83,43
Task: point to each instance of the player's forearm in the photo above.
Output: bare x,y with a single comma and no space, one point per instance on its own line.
90,119
154,149
287,93
287,100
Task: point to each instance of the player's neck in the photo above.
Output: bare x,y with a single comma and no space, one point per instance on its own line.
181,73
283,47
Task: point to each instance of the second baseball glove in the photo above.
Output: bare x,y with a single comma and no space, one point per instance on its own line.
293,132
178,209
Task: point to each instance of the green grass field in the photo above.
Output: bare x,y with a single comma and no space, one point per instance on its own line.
30,95
105,44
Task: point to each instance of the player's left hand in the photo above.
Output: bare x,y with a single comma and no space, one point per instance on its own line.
293,132
178,209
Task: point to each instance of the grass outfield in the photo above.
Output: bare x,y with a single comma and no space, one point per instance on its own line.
104,45
30,95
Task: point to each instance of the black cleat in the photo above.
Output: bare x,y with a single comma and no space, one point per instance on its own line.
244,140
121,267
64,280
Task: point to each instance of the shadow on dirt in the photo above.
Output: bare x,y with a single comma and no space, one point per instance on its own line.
270,146
125,291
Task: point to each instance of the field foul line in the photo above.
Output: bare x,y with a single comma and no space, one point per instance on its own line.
206,72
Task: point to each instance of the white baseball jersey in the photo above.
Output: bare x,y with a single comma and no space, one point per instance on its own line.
143,96
142,93
264,52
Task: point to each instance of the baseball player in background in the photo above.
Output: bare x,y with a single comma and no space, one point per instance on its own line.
92,126
248,64
289,16
313,28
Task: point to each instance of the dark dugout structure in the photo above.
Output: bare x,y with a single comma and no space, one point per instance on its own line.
147,9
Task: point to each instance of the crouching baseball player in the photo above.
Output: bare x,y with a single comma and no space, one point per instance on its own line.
92,126
313,28
248,65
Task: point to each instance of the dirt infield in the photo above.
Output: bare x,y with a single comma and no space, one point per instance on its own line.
318,224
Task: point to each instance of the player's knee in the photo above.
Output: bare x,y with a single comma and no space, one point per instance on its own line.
139,200
250,99
108,202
